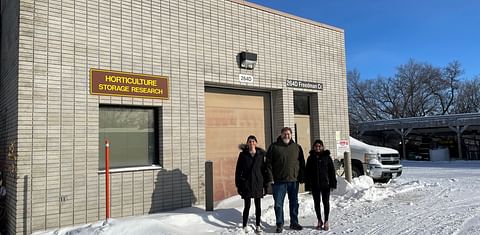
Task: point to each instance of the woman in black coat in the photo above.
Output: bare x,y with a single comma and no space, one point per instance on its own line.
320,179
249,176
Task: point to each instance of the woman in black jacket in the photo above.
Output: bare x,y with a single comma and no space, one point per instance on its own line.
249,178
320,179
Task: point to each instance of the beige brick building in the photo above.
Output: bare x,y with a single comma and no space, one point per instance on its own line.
52,127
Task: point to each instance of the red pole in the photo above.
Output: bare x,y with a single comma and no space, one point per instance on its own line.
107,177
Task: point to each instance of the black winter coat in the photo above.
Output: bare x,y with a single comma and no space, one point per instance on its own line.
320,172
250,172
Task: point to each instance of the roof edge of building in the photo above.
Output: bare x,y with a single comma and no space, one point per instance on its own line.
284,14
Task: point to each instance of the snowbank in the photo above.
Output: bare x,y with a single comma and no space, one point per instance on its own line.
226,219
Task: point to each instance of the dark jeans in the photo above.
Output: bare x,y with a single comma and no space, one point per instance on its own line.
246,210
326,203
279,189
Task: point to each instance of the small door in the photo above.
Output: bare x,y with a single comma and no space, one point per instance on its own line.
302,134
302,125
302,121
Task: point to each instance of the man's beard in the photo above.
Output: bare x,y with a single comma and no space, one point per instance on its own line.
286,141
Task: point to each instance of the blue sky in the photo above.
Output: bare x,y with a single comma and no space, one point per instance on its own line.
381,35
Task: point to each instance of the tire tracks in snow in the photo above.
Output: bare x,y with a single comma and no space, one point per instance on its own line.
435,213
432,209
471,226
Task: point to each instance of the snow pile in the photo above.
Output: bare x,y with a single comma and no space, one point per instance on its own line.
363,181
358,184
363,189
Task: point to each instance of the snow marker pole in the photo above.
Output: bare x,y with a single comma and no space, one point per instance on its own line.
107,177
209,186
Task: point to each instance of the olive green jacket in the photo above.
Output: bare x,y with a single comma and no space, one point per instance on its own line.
285,162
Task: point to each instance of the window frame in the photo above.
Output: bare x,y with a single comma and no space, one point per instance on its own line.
308,103
155,162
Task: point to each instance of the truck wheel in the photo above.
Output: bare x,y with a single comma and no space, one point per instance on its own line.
356,172
339,170
384,180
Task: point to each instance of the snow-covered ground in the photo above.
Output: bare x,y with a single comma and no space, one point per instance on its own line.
429,198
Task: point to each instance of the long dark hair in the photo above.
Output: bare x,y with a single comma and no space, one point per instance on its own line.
318,141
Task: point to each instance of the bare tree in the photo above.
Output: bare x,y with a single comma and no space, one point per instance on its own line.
468,98
359,98
445,88
417,89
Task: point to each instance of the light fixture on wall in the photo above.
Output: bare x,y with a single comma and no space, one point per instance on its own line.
247,60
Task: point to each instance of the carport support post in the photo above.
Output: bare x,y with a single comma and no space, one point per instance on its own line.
459,142
347,166
403,133
459,130
209,186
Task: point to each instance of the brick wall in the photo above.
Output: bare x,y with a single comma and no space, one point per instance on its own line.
9,108
195,44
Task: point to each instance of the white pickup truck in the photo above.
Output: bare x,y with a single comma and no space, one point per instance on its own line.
380,163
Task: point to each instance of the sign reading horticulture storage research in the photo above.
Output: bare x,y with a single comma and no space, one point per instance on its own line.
305,85
115,83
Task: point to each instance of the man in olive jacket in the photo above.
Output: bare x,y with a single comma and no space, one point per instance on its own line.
285,167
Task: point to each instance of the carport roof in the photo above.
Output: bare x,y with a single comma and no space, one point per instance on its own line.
467,120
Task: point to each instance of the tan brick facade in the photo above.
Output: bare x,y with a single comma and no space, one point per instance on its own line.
194,43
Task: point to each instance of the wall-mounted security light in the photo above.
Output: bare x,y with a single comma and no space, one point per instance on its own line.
247,60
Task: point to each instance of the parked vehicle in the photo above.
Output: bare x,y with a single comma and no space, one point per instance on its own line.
380,163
